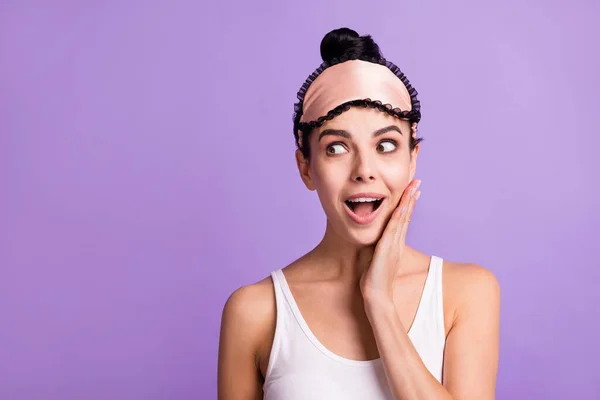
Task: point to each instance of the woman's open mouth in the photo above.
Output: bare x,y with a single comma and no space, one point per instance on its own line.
363,210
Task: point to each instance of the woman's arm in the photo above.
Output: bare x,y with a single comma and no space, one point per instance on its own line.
471,353
473,343
472,346
242,326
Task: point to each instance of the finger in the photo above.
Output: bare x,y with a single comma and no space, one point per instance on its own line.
412,186
394,225
406,196
407,202
405,219
406,222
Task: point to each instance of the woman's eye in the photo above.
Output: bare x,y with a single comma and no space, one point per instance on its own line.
331,149
391,146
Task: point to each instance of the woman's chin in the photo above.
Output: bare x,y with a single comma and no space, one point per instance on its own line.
357,234
365,237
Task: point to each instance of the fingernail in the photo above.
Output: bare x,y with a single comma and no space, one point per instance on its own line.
418,195
402,210
414,189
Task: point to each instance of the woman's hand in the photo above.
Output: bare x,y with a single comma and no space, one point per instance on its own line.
377,281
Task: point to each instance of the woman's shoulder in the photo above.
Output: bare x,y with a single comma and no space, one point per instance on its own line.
251,305
468,286
469,276
249,318
254,304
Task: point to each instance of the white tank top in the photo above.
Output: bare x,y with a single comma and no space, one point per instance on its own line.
301,368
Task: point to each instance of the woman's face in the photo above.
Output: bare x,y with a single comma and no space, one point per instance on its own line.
361,152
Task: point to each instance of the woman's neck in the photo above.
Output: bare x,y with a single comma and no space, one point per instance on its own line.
340,259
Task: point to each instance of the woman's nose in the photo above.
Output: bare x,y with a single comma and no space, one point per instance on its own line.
363,170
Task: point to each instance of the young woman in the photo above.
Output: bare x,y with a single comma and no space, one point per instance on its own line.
362,315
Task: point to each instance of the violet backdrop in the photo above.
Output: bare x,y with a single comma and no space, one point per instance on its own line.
147,171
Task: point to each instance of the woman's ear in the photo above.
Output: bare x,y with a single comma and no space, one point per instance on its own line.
414,153
304,169
413,162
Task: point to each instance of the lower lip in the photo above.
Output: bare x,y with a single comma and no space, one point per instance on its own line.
363,220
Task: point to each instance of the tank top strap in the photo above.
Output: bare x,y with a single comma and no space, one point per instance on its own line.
437,298
437,266
286,304
278,287
279,321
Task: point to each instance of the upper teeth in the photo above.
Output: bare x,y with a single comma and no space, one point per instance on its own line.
363,199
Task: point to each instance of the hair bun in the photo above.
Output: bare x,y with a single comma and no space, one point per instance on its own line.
346,42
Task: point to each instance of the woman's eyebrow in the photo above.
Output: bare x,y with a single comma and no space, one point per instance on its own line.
347,135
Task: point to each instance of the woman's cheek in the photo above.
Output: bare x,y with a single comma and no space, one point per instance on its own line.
329,175
329,184
396,172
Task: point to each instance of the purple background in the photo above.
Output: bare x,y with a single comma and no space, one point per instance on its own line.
147,171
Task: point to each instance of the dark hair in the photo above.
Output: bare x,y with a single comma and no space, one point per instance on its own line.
341,45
